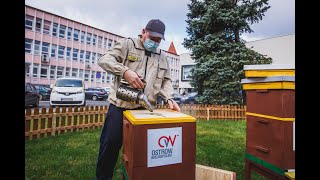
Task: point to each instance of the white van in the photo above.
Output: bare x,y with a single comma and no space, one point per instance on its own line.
68,92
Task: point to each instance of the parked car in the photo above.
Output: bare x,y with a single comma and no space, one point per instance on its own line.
191,98
44,92
68,91
176,97
96,93
31,97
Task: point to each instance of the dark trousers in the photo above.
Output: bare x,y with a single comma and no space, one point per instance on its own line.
110,143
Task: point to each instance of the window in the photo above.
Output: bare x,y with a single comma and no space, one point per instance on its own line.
53,50
86,75
81,73
74,72
60,72
103,77
81,55
94,37
44,71
36,47
109,78
75,54
69,83
186,72
68,72
100,41
54,29
28,71
62,31
109,43
68,53
93,58
177,74
87,56
83,34
29,22
35,70
46,27
105,43
61,52
52,72
76,35
45,48
38,24
98,56
93,75
27,45
88,38
69,33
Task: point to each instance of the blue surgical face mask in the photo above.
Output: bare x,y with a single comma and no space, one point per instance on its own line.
150,45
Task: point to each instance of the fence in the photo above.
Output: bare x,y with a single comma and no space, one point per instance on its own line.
45,122
217,112
50,122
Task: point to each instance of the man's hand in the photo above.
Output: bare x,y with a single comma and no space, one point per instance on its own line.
133,79
173,105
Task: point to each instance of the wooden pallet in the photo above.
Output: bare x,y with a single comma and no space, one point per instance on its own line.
210,173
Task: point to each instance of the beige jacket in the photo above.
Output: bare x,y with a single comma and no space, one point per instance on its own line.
130,54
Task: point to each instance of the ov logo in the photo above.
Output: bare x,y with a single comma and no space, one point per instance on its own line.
167,140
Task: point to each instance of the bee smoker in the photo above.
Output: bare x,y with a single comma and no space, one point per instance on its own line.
136,96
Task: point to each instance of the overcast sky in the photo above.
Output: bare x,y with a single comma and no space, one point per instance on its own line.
127,18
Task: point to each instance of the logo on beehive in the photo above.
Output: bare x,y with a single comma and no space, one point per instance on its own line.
165,140
164,146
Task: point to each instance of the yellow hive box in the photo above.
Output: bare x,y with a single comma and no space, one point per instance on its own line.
273,82
266,70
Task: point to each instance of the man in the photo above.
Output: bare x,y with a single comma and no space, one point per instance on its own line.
134,60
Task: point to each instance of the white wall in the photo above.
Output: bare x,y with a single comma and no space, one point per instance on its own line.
281,49
185,59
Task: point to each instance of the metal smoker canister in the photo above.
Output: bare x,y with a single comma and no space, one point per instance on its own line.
132,95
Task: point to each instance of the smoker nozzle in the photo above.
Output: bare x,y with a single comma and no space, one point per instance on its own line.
143,100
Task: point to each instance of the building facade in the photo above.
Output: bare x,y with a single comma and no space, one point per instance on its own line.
59,47
186,64
174,64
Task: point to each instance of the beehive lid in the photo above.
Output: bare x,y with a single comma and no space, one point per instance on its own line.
273,82
158,116
266,70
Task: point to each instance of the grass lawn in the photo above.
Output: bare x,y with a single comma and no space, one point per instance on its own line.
220,144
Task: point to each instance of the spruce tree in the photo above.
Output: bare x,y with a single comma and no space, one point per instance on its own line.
214,29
